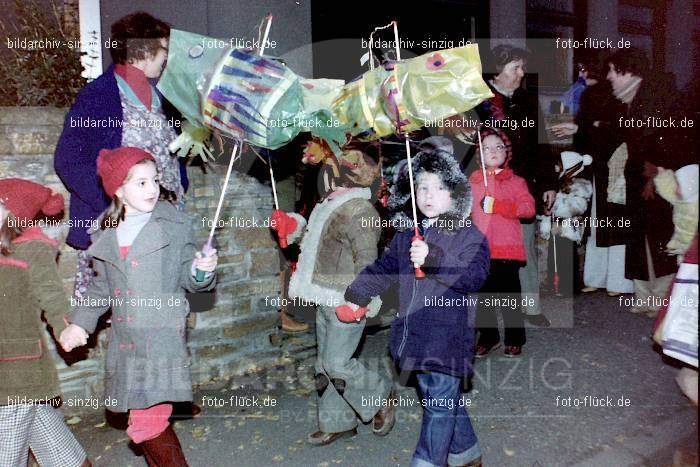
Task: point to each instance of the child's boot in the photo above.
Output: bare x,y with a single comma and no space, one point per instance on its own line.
164,450
289,324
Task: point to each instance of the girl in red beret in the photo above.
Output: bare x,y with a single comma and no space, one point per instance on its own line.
145,259
30,284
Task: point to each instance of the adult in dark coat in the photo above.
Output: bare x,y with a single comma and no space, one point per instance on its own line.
516,111
94,122
593,134
650,104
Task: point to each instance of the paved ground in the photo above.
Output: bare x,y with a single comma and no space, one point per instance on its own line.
516,406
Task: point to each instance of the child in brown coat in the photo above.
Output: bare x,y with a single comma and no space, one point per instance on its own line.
29,283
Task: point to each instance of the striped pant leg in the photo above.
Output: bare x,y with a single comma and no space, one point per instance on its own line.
15,426
52,442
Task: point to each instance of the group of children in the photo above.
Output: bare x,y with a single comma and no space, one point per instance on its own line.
144,248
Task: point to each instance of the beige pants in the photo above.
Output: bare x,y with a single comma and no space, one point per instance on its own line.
651,293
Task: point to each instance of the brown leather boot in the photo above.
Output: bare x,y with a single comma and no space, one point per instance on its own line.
290,325
87,463
384,419
164,451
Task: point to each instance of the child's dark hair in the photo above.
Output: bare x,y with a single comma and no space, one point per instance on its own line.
137,36
116,211
437,166
7,235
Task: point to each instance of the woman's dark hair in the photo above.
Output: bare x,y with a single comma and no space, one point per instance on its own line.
137,37
7,234
591,62
632,60
502,55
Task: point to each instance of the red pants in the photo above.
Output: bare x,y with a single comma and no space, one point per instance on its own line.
145,424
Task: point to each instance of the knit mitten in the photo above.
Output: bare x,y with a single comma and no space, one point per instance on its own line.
284,224
505,209
347,315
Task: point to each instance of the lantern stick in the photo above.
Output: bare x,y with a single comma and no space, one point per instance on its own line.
416,232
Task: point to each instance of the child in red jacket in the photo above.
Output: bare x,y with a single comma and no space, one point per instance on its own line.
501,203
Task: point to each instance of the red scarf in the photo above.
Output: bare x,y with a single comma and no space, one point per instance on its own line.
137,81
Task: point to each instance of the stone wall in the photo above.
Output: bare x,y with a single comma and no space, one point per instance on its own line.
231,335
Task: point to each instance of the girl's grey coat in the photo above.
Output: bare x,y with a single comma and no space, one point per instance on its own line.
147,360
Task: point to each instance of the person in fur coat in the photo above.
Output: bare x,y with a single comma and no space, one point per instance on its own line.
572,200
567,222
340,239
433,333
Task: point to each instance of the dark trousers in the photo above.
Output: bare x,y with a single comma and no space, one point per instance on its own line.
567,266
501,293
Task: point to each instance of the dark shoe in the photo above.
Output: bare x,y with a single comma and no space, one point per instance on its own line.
165,450
513,350
321,438
384,420
184,410
538,320
481,351
87,463
475,463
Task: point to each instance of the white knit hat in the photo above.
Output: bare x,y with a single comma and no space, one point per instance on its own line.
573,163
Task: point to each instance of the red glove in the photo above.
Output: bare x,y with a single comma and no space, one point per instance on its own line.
505,209
347,315
284,224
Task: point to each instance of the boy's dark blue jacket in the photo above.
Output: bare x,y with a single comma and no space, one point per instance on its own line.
75,159
428,336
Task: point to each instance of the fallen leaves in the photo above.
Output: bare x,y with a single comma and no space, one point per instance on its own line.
200,432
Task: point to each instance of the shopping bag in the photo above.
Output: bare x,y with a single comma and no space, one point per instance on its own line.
679,336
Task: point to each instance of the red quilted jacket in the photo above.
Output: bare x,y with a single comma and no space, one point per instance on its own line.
513,202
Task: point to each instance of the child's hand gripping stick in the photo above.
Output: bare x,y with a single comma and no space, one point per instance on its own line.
206,251
417,270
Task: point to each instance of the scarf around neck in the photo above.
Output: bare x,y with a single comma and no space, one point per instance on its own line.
137,81
627,93
505,92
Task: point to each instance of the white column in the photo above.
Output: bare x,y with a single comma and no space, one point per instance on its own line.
90,38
